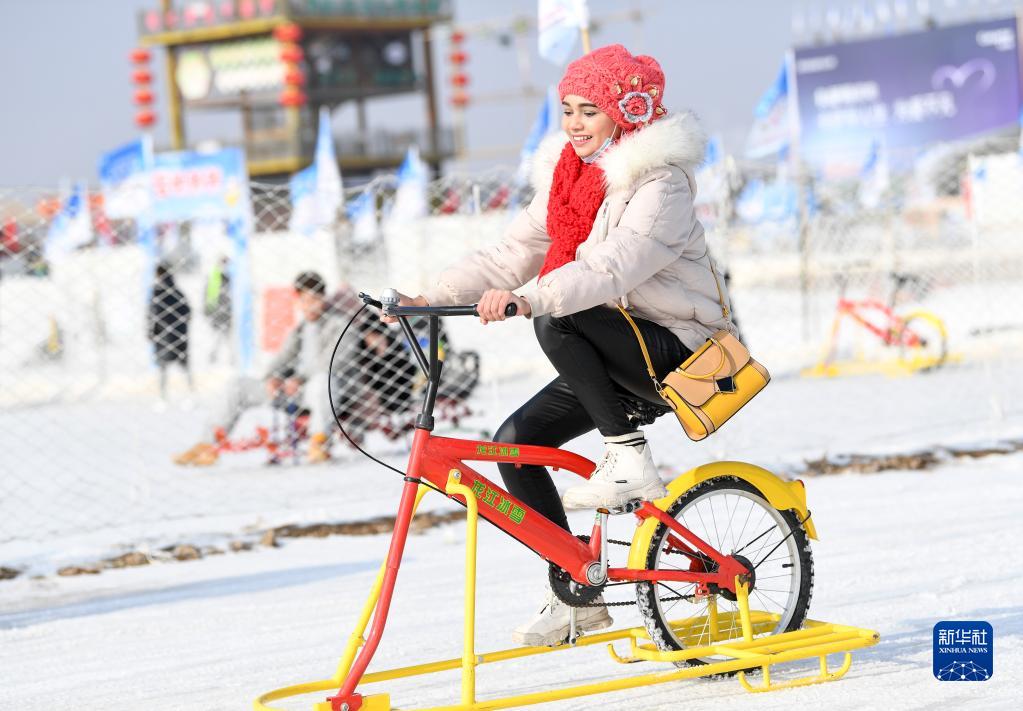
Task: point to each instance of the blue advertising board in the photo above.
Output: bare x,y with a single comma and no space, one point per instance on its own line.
188,185
907,91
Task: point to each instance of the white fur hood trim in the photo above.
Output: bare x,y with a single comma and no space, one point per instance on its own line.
676,140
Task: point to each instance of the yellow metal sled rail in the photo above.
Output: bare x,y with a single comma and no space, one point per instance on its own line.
740,654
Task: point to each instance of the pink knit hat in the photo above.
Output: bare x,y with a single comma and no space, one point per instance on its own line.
627,88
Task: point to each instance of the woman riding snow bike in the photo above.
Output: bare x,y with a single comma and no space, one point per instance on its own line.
719,558
723,555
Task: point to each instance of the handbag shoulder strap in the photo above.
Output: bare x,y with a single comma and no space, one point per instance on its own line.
650,365
642,347
717,283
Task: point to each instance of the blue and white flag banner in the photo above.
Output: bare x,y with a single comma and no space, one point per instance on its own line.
410,197
875,175
362,213
303,201
317,191
547,121
559,23
124,179
712,176
771,132
328,175
774,201
72,225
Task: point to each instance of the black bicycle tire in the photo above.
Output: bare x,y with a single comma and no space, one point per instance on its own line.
658,628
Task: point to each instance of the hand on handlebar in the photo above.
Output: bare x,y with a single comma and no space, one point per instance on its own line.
494,302
405,301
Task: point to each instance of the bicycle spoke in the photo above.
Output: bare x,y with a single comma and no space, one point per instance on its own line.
767,541
728,527
757,538
761,596
749,512
714,520
705,530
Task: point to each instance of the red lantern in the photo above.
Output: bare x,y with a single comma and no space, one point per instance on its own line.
460,80
143,97
153,20
189,16
288,33
267,6
145,118
295,77
140,55
247,9
291,53
170,19
460,99
227,9
458,57
142,76
457,37
292,96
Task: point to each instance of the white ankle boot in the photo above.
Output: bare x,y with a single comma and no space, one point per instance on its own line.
550,625
625,472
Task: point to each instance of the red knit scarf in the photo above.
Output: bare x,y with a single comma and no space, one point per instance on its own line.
576,194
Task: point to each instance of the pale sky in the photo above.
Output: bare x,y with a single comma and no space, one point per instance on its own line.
64,76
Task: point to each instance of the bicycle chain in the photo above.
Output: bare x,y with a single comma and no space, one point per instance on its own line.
688,598
585,538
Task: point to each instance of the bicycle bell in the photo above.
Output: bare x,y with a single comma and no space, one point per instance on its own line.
389,298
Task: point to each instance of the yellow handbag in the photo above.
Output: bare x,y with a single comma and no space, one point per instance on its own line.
712,384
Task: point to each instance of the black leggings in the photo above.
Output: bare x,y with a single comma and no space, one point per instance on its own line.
599,363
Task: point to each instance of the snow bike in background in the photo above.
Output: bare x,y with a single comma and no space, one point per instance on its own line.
284,440
721,566
918,338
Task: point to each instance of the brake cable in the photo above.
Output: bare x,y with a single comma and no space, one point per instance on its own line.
341,427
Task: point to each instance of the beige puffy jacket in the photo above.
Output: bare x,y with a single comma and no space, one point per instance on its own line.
646,249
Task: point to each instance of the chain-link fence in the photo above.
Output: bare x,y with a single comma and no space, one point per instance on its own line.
116,359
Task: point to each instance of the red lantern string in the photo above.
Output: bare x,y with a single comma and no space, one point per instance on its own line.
288,33
145,118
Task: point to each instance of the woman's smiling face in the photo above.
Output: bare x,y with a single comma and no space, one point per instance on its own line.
587,126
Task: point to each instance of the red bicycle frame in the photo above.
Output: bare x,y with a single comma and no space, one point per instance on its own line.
431,460
895,334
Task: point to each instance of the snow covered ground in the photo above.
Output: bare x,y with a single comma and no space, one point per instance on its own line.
899,551
105,484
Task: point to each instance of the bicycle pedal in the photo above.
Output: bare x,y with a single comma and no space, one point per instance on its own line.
630,506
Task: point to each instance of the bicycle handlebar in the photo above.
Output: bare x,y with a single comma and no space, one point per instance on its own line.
394,310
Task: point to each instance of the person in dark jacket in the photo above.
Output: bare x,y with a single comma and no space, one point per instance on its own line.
169,314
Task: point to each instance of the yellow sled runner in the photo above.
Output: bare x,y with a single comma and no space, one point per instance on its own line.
722,642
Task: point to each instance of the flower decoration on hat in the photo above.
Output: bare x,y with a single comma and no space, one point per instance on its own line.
637,106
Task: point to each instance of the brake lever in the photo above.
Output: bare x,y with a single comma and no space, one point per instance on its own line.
369,300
